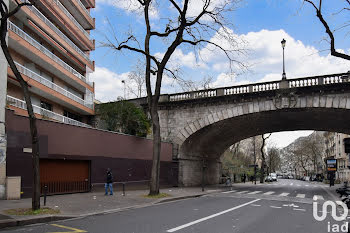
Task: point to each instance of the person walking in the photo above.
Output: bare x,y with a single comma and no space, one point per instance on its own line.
109,182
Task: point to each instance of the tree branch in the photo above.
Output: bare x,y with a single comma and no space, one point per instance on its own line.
328,31
176,6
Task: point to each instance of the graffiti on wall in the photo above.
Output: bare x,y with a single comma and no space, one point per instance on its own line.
2,148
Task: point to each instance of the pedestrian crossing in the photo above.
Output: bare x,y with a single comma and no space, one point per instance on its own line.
284,194
269,193
255,192
293,184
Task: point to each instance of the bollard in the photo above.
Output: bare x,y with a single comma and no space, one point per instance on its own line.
123,189
45,193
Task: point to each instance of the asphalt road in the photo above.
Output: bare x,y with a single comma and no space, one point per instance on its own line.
282,207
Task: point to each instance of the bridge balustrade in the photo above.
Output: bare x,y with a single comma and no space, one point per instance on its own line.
260,87
305,82
266,86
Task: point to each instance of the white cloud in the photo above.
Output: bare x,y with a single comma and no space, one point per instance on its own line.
130,6
195,7
300,60
108,85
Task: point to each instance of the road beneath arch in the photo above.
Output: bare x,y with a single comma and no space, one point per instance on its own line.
280,207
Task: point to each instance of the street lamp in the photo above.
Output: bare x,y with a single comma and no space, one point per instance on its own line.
123,81
283,42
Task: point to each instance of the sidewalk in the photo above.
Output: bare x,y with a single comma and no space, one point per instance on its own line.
85,204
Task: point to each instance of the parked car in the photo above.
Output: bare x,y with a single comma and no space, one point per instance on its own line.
268,179
273,176
290,177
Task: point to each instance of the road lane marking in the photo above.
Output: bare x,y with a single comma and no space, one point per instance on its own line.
232,191
291,183
307,185
298,185
211,216
299,209
268,193
255,192
301,195
260,205
74,230
275,207
318,197
284,194
241,192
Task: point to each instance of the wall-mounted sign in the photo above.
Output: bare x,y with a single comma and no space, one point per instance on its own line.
331,165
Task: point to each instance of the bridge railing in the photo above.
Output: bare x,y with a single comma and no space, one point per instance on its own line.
261,87
319,80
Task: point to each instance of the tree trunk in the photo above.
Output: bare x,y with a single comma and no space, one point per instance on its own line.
262,175
32,119
154,184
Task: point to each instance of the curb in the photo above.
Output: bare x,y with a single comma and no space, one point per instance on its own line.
180,198
22,222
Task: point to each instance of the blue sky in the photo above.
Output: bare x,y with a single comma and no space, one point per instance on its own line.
262,24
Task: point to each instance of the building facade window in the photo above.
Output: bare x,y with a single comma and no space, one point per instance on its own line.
46,105
72,115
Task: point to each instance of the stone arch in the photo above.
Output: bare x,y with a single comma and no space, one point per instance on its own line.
335,101
209,135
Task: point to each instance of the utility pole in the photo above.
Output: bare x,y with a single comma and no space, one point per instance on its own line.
3,142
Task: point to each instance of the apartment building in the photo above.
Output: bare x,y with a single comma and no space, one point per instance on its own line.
335,148
50,43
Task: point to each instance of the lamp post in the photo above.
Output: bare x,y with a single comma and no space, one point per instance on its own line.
283,42
123,81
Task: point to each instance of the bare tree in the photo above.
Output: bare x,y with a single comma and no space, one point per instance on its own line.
274,159
5,15
137,84
263,157
190,85
182,28
315,148
303,157
329,31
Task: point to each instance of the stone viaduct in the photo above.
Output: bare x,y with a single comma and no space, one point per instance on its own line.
203,124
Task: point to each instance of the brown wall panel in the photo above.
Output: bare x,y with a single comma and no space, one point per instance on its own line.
130,158
68,140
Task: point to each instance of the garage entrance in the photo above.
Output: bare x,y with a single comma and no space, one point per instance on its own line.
64,176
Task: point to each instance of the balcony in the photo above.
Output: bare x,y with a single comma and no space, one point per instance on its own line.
60,16
37,45
81,14
89,3
44,112
75,22
59,33
52,85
